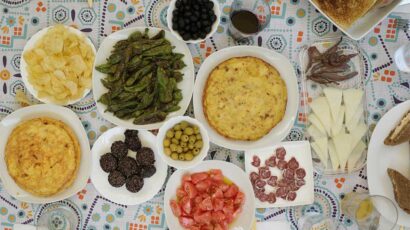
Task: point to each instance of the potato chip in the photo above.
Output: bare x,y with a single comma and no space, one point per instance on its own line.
60,65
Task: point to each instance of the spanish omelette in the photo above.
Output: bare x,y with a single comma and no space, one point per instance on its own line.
244,98
43,156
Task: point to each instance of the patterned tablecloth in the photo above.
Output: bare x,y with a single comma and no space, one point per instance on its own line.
294,23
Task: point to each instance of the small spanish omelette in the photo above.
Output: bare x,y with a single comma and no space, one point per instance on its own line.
244,98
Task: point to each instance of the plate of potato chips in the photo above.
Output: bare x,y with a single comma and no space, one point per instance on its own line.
57,65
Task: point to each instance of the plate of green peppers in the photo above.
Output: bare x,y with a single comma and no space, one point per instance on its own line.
142,77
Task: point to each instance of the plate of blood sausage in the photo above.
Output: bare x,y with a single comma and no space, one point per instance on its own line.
281,175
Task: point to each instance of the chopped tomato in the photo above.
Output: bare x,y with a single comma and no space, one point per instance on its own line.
239,199
236,213
194,228
181,193
218,216
218,204
190,189
186,222
197,177
175,208
215,172
186,178
217,176
218,227
228,208
186,205
231,192
224,187
217,193
207,227
203,186
203,218
206,204
224,224
197,200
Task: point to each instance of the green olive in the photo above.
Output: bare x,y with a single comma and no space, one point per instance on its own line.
192,139
177,127
188,156
173,147
196,151
170,134
179,149
189,131
175,141
184,138
198,137
181,157
183,144
196,130
185,149
167,151
178,134
183,124
174,156
167,142
199,144
189,152
191,146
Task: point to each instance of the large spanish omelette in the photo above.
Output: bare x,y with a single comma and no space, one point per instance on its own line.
244,98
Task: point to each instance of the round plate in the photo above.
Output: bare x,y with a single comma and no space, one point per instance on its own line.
23,64
186,85
245,218
57,112
285,68
380,157
121,195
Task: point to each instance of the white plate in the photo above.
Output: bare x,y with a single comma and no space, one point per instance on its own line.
301,151
245,218
366,23
57,112
121,195
380,157
186,85
176,163
285,68
23,64
217,12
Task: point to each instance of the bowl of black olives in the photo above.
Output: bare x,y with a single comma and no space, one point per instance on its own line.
193,21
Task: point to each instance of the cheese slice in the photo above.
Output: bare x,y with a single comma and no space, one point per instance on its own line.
358,133
322,155
338,123
343,148
352,123
315,133
321,109
352,98
323,145
334,99
316,123
333,156
355,156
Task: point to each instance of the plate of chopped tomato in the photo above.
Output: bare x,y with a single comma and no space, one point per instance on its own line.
214,195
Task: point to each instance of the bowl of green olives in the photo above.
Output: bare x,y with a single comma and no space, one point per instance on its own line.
182,142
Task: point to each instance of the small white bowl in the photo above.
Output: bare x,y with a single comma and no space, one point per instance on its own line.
63,114
176,163
171,9
23,64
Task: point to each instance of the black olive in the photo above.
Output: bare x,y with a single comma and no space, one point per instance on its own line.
202,35
206,22
175,26
198,24
187,14
210,5
204,16
208,29
187,8
213,18
175,13
186,37
174,20
184,2
178,4
196,7
194,28
181,23
193,18
195,36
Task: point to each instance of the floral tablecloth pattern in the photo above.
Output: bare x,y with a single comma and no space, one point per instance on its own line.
294,24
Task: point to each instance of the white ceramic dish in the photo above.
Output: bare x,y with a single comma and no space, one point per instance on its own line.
285,68
186,85
365,24
57,112
301,151
380,157
121,195
245,218
171,9
23,64
182,164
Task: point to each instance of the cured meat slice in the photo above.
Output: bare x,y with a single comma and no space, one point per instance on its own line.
264,172
291,196
282,192
300,183
260,183
300,173
256,161
293,163
271,161
253,177
281,164
272,181
272,197
280,153
289,174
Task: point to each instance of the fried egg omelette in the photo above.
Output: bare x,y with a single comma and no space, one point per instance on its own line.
244,98
43,156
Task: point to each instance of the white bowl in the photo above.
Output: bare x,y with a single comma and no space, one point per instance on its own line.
182,164
186,85
23,64
57,112
285,68
171,9
121,195
245,218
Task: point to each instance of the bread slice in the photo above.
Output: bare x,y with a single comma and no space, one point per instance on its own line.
345,12
401,133
401,186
